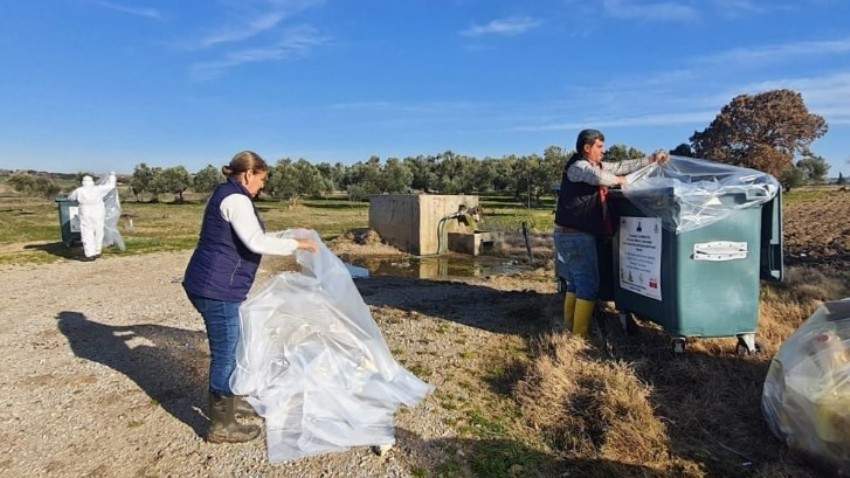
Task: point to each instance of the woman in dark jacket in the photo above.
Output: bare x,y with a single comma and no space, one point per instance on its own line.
219,276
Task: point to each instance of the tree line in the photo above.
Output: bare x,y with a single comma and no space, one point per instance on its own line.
771,132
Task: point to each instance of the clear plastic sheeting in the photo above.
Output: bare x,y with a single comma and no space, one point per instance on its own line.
806,397
112,204
313,362
689,193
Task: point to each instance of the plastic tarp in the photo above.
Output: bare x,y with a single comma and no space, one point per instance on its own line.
806,396
689,193
314,364
112,204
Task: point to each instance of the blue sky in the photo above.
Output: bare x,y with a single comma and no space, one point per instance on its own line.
101,85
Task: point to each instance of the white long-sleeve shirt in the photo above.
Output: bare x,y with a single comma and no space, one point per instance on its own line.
606,173
238,210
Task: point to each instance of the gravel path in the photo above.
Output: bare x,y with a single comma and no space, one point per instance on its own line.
104,371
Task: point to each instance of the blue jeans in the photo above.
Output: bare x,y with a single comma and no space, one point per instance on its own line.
221,318
578,252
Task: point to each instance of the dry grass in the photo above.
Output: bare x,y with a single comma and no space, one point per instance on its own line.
624,406
590,408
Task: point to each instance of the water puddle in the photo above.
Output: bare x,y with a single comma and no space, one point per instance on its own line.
443,267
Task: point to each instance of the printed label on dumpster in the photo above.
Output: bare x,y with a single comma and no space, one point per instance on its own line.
74,216
640,255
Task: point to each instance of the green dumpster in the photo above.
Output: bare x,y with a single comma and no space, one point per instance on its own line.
69,221
697,281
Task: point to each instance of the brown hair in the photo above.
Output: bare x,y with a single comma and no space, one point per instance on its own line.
245,161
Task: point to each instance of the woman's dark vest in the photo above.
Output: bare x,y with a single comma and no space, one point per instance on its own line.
578,204
221,268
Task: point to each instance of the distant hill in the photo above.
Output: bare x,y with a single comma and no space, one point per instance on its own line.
56,176
65,176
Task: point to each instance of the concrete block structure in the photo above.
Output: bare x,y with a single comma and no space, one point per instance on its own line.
474,243
410,221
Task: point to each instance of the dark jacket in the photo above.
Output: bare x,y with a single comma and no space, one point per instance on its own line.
221,268
578,204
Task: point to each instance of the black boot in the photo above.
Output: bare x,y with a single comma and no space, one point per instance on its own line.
223,425
243,408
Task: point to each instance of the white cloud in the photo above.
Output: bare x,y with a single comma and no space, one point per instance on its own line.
651,119
649,12
778,53
247,19
739,8
141,12
295,42
248,29
262,22
511,26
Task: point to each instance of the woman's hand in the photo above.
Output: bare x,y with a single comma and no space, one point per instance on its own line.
308,244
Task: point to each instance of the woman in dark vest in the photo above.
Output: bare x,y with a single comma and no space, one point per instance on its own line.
219,276
582,216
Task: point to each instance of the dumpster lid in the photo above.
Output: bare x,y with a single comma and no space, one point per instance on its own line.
690,193
772,264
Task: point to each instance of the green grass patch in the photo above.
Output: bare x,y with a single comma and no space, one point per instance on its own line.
419,472
504,458
806,194
149,227
449,469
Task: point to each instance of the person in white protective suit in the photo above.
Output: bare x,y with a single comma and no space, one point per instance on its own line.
92,213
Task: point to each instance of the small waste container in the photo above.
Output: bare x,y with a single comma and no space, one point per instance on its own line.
691,248
69,221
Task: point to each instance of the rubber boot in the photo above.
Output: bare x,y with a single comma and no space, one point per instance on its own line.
569,310
243,408
583,316
223,425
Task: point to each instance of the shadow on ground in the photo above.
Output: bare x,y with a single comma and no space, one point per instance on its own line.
708,398
168,364
58,249
503,458
524,312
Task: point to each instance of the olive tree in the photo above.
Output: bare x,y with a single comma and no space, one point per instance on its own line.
815,169
30,185
176,180
207,179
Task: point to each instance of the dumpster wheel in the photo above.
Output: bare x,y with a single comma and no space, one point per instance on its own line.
561,286
747,345
628,323
678,345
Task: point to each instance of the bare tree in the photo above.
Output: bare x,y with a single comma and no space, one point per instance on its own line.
764,131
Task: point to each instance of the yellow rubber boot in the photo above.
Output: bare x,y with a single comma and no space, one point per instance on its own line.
569,310
582,317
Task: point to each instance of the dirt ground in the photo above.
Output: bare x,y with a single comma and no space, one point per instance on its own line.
817,233
104,364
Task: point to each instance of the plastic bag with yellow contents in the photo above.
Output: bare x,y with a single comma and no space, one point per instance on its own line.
806,397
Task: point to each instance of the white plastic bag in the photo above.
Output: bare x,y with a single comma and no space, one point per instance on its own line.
806,397
112,206
690,193
314,364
